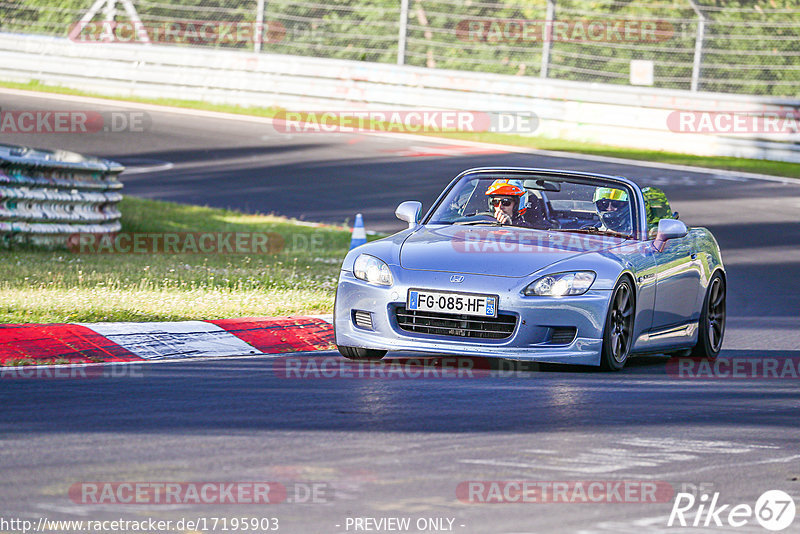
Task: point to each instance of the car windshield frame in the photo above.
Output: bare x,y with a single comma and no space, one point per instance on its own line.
594,180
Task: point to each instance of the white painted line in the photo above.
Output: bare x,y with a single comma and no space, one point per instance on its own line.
134,169
186,339
499,463
726,466
442,140
693,445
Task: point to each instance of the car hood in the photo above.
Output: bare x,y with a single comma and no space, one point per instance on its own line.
497,251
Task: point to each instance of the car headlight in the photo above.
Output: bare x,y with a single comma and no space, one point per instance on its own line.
561,284
372,270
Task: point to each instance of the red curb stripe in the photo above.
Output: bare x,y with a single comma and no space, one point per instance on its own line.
273,335
48,343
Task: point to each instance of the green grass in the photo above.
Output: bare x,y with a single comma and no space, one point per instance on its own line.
173,102
776,168
62,286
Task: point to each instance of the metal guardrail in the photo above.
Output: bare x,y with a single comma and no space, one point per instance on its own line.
46,195
634,117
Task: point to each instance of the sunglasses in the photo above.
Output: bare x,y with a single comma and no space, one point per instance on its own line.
605,203
502,202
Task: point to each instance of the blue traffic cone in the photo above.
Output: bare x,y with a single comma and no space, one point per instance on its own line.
359,234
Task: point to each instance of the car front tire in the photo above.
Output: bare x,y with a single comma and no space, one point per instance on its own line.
712,320
360,353
618,332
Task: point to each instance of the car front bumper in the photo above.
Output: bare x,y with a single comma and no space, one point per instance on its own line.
536,317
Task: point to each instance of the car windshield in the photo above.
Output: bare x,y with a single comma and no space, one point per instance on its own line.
541,202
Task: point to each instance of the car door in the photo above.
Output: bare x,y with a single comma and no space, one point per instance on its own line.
677,283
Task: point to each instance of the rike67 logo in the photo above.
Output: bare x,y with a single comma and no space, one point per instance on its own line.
774,510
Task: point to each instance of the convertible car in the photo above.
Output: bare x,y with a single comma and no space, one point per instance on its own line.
536,264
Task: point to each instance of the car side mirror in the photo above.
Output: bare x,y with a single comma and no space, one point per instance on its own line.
669,229
676,215
409,211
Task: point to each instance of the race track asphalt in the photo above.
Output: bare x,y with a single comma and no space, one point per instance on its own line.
400,447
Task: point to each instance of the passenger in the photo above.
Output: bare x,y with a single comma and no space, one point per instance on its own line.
614,209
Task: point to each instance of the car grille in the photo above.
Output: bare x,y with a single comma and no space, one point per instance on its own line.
362,319
452,325
563,335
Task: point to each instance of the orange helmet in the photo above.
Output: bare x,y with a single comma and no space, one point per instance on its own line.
511,188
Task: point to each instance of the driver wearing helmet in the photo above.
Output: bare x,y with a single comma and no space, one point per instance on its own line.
508,201
614,209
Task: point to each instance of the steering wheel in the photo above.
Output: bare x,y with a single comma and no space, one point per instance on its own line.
549,212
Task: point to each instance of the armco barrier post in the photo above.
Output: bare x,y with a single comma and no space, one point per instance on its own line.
48,195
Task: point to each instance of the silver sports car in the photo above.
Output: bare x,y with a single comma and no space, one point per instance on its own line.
536,264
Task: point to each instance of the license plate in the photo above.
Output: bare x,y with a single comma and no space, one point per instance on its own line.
451,302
